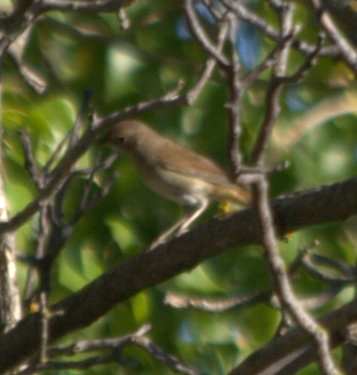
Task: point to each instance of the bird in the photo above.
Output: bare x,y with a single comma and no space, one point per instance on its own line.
174,172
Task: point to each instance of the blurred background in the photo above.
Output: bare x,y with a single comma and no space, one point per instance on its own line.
316,132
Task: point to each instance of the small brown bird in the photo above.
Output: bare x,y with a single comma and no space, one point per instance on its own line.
175,172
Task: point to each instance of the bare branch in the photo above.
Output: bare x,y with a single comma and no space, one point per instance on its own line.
30,75
201,36
205,304
35,263
10,303
272,97
30,164
234,105
88,202
308,264
335,264
333,202
320,299
169,360
81,117
115,346
308,64
210,64
245,14
346,49
282,284
235,303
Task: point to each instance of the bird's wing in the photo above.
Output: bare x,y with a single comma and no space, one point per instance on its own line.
176,158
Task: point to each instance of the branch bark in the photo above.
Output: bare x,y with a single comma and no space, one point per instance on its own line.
292,212
10,304
296,344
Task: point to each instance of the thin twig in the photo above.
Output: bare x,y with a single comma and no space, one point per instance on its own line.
341,281
234,105
88,202
308,63
210,64
235,303
17,51
272,97
245,14
201,36
335,264
81,117
42,237
30,163
347,51
115,346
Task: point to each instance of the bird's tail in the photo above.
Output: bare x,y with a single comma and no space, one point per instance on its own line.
233,193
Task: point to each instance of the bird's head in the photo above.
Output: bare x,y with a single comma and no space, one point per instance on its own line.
128,135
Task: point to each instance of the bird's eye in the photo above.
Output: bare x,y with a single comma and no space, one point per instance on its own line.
121,139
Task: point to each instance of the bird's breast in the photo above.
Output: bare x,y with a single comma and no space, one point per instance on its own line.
181,188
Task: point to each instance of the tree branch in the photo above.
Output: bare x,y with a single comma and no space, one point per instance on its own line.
288,300
293,212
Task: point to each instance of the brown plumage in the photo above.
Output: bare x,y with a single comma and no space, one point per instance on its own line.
173,171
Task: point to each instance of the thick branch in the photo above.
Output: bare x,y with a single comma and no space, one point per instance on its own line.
327,203
295,344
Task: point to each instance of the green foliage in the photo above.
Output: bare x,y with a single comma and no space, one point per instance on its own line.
74,52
